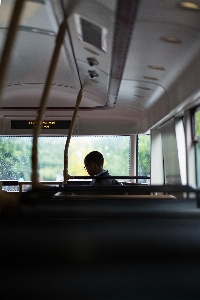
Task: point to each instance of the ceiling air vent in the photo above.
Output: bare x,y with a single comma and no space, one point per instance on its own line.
91,33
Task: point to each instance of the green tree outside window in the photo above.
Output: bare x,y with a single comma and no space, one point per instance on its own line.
197,124
143,166
15,156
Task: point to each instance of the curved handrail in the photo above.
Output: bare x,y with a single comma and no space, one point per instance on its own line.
10,41
65,171
4,65
59,41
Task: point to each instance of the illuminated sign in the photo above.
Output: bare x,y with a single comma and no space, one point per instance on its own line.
30,124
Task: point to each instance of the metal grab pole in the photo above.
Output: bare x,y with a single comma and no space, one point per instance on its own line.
65,172
5,58
54,60
9,42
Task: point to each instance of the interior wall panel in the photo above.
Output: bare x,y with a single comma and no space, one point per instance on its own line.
170,153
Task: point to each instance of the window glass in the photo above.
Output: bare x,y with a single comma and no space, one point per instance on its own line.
197,150
197,143
143,157
197,124
15,154
115,149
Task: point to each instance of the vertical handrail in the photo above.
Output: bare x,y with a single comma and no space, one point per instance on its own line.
54,60
6,54
65,172
5,59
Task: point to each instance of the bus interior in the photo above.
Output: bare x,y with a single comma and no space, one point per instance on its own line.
74,72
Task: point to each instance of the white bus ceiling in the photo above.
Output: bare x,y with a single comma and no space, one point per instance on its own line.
138,62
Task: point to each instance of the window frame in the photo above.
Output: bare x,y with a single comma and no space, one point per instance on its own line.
196,141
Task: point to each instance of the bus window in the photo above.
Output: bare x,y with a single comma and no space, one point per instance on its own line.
196,135
15,156
143,157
